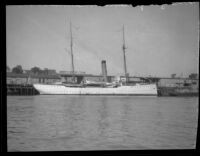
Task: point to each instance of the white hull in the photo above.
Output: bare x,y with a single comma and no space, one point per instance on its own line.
139,89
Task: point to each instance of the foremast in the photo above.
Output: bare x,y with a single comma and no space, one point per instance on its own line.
72,56
124,51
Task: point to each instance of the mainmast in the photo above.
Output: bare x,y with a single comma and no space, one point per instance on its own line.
72,56
124,50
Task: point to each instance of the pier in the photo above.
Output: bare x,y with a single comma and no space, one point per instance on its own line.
21,89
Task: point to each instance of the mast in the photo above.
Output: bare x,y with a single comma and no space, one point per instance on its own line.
124,50
72,56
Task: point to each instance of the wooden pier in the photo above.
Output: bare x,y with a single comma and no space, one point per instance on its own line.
21,89
178,91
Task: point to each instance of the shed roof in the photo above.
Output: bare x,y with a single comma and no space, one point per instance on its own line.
14,75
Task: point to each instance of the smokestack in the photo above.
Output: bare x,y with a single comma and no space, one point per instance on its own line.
104,70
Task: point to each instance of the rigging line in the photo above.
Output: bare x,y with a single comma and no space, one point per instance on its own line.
91,50
87,48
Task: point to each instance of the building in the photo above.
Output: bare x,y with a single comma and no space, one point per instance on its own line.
46,71
13,78
178,82
194,76
49,71
70,72
8,69
26,71
67,76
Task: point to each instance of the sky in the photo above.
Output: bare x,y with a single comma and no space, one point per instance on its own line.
160,40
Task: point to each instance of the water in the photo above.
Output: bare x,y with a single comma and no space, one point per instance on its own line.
54,123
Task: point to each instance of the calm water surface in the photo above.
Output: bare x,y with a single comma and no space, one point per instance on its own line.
44,122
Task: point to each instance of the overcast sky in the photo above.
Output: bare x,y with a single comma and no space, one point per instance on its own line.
160,40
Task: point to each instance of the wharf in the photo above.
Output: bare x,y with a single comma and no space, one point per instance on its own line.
21,89
177,91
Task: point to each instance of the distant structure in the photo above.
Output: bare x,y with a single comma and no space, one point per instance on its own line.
70,72
8,69
50,71
46,71
193,76
12,78
173,75
26,71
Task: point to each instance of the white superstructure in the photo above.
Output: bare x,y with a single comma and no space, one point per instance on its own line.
138,89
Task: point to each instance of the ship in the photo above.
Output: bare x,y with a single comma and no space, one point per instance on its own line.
86,87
